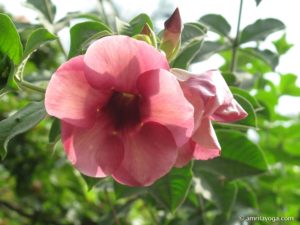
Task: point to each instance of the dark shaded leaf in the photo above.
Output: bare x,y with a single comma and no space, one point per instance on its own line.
222,193
172,189
20,122
239,157
216,23
54,134
10,43
259,30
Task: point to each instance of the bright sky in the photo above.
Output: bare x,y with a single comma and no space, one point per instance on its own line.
191,10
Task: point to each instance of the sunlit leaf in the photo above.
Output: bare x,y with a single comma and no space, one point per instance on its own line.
82,32
37,38
282,46
288,85
10,43
135,26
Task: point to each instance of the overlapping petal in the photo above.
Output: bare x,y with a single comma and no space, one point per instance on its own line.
117,61
207,144
149,155
69,96
95,151
164,103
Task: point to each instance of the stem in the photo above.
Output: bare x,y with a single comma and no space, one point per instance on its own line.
236,40
30,86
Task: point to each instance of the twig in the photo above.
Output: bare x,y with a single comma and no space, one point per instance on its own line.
236,40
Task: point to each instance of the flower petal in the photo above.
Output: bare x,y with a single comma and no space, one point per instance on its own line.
185,154
163,102
149,154
119,60
207,144
229,113
69,97
95,152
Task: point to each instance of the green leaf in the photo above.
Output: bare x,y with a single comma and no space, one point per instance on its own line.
239,157
172,189
137,23
268,57
90,181
6,65
208,49
45,7
258,2
37,38
192,31
187,54
252,100
54,134
216,23
229,77
288,85
251,119
82,32
246,196
20,122
135,26
10,43
122,191
261,29
222,193
282,46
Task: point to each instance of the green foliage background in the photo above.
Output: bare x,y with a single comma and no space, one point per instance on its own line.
253,177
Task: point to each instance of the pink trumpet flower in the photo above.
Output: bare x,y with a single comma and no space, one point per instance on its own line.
123,113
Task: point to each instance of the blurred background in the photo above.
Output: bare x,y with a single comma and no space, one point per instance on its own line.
38,185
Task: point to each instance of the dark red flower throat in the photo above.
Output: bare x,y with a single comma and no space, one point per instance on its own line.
123,108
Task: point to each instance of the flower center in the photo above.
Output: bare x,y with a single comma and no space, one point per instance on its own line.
123,108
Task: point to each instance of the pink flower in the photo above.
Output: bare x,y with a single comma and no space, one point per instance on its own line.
123,113
212,100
